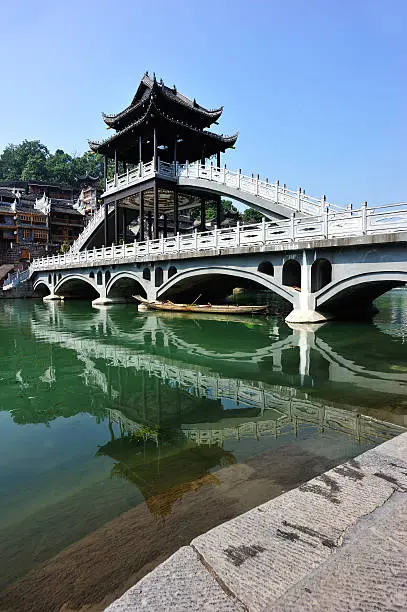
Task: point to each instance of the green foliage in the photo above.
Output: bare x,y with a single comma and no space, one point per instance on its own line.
31,160
64,247
252,216
227,206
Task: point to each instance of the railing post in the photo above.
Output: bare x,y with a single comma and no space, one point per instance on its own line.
196,239
263,230
135,247
148,246
113,250
177,242
211,172
323,203
277,188
187,168
257,184
239,177
292,227
238,233
299,199
215,235
364,218
326,222
127,176
162,243
224,174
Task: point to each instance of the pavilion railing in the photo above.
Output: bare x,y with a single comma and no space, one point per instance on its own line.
275,193
364,221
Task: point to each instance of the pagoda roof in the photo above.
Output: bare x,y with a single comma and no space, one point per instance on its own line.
169,99
189,147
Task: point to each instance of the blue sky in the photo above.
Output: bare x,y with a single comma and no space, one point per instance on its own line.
316,88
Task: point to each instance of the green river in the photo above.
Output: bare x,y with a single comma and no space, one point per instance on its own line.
123,435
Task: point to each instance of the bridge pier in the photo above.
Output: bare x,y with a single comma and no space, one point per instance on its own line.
306,312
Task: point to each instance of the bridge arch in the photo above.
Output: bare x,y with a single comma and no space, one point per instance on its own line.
126,284
356,293
267,282
266,267
41,288
292,273
76,286
321,274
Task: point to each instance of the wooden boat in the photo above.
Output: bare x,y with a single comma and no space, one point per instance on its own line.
207,308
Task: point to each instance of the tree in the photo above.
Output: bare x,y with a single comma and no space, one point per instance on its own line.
31,160
227,207
252,216
14,159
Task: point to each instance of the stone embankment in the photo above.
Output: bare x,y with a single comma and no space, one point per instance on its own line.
24,290
337,542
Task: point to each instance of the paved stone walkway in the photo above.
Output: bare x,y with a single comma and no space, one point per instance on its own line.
337,542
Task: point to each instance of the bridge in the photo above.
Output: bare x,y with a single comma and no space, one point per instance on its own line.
323,260
327,265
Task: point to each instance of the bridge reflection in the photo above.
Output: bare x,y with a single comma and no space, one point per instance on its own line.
264,382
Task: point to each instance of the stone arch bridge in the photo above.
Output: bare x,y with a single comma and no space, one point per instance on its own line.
318,279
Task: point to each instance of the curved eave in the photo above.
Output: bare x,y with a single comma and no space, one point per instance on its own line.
227,141
208,116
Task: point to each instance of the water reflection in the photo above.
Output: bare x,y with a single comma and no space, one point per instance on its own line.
199,418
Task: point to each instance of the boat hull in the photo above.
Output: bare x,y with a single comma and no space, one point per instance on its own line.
207,308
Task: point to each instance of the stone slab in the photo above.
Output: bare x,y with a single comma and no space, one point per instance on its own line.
368,573
337,542
263,553
180,583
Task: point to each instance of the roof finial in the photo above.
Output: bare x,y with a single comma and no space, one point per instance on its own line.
175,89
154,78
146,73
161,82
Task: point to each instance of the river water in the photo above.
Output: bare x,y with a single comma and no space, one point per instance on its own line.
123,435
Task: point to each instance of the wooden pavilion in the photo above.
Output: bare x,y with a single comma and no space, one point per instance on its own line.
160,124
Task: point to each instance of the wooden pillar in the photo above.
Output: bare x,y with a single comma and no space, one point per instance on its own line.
155,209
218,211
176,220
203,215
155,149
175,151
106,224
124,167
149,223
105,169
218,159
116,223
116,162
124,223
165,225
141,216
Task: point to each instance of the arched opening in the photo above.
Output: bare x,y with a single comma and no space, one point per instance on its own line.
266,267
99,279
107,276
77,289
41,290
292,273
59,276
356,301
92,274
49,279
159,276
172,270
126,287
321,274
218,288
147,274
